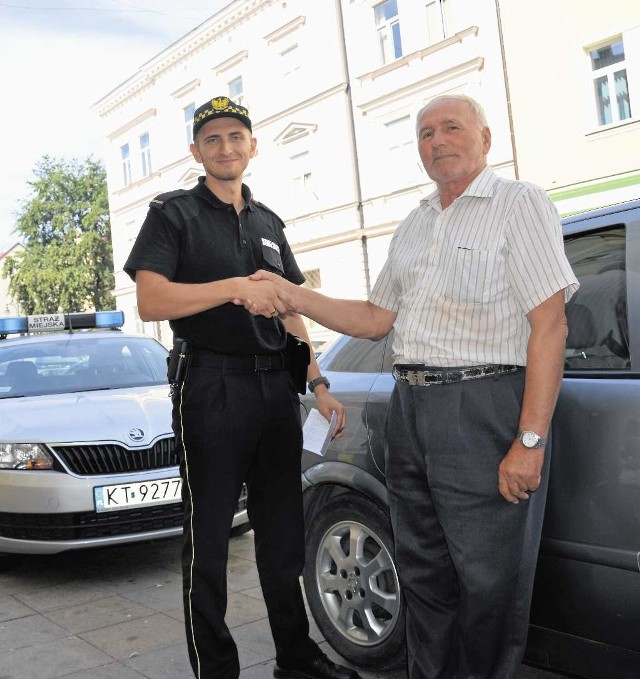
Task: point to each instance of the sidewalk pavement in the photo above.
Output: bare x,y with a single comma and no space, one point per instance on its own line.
117,614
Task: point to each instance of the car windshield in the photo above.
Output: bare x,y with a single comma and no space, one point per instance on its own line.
80,362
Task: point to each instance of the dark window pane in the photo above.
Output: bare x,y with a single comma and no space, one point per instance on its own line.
597,314
608,55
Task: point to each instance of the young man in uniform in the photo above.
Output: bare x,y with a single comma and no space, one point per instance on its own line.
475,286
236,413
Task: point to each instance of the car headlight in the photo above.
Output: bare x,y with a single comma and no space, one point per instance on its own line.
24,456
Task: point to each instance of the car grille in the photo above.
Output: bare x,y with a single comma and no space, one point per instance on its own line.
87,525
89,460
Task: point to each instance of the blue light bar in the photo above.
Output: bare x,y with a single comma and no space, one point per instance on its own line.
13,325
109,319
52,322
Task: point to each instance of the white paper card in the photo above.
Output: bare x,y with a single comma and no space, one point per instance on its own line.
316,432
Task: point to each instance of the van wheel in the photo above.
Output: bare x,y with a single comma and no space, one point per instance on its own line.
351,582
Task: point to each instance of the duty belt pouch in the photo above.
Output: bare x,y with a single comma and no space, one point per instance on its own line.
178,361
297,357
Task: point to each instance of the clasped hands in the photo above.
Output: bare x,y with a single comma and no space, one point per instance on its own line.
266,294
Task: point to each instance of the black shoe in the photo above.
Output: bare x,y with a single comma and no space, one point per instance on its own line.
318,668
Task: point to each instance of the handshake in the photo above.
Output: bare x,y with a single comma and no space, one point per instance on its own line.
266,294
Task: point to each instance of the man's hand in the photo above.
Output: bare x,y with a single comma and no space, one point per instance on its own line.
260,297
284,291
326,404
519,473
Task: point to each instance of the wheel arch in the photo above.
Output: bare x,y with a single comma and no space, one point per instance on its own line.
324,481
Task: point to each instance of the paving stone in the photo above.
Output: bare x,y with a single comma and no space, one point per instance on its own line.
52,660
115,670
138,637
96,614
255,636
23,632
162,597
242,609
61,595
166,663
11,608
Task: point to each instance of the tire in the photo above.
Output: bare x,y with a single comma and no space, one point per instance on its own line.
351,582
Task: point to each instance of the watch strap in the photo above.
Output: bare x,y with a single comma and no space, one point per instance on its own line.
318,380
541,442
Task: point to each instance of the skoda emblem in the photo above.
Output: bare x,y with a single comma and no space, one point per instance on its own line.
136,434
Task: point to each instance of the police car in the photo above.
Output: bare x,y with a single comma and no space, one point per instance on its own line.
87,454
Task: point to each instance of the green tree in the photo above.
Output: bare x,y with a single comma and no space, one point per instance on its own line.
67,261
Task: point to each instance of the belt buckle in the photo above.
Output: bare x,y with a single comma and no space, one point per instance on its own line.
261,362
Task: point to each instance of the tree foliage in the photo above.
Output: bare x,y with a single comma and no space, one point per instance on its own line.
67,261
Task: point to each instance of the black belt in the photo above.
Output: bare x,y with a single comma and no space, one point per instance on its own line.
256,363
424,375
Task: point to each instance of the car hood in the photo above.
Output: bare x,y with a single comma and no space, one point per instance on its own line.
134,417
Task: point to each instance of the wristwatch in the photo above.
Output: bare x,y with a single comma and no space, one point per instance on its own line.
319,380
530,439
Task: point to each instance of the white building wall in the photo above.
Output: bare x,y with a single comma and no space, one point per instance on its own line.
333,160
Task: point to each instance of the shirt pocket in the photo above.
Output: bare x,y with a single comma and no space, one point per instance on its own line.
470,275
271,260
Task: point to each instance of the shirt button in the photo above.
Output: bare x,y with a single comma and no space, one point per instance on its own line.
244,242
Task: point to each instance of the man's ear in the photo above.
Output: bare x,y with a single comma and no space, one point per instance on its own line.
254,148
486,139
195,153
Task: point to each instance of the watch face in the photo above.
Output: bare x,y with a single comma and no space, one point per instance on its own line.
530,439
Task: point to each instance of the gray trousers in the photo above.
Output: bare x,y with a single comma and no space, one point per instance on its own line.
466,557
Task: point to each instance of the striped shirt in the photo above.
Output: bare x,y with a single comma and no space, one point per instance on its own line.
463,279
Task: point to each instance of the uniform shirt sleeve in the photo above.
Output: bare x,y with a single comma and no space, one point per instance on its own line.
537,266
291,269
156,248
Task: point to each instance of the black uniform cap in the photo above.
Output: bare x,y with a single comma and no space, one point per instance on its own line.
219,107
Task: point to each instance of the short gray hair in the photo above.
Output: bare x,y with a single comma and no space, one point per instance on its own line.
477,109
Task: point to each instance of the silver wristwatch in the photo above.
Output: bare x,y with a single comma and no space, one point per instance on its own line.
530,439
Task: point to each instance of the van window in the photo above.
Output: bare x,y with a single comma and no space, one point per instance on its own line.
598,336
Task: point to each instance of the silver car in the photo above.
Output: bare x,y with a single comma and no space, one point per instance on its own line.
87,454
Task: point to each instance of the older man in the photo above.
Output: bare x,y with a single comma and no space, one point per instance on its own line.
475,286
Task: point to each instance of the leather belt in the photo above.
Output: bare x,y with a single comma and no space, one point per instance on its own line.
255,363
425,376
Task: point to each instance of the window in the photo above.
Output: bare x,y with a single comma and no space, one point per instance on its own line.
145,154
236,91
355,356
438,20
188,121
610,84
388,25
312,279
402,149
302,184
290,60
126,164
597,314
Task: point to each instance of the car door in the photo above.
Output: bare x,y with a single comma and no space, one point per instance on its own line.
587,590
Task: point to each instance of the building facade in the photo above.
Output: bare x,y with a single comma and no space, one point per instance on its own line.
333,88
574,81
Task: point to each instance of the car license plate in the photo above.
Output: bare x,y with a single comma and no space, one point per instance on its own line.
143,493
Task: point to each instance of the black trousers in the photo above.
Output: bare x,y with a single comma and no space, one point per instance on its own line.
466,557
235,426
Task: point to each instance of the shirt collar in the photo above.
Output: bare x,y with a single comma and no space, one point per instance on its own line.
481,187
202,190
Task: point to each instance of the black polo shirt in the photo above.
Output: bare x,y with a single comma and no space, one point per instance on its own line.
193,237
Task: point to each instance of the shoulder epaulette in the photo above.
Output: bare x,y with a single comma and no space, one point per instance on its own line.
159,201
268,209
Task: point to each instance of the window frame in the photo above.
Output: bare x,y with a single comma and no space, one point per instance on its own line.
388,32
144,141
609,73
